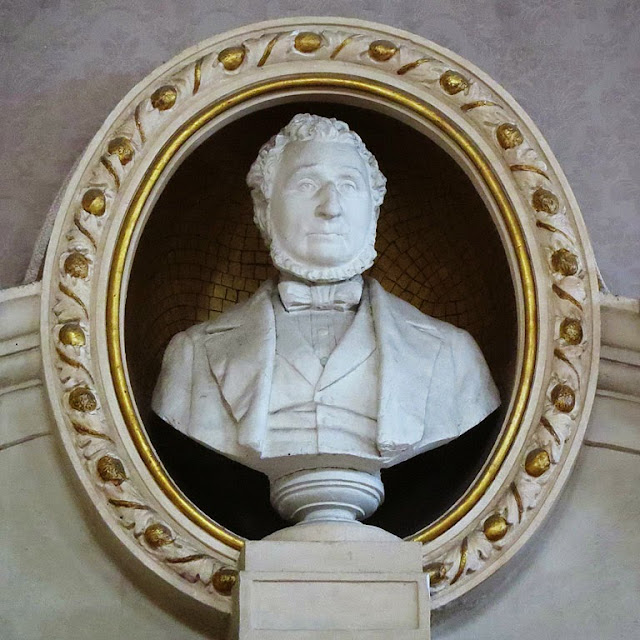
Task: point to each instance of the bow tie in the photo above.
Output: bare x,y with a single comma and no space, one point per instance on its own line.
342,296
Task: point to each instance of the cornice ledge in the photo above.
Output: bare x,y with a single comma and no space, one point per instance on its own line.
619,374
20,359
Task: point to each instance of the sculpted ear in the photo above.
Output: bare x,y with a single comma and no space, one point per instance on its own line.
261,214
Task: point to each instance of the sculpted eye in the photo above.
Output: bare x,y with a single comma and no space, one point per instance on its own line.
348,187
306,186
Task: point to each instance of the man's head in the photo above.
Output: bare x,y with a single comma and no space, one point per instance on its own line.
317,192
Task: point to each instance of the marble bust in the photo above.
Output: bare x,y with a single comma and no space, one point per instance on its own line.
323,370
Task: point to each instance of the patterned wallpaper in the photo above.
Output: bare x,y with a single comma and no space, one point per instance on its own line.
574,65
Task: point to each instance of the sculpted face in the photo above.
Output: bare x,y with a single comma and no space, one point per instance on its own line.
321,207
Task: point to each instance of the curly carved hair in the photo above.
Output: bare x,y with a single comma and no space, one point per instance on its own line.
305,127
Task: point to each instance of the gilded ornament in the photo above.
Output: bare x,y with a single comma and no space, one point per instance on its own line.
563,398
76,265
224,579
571,331
382,50
267,50
232,57
495,527
437,572
111,469
453,82
307,42
545,200
158,535
164,98
531,168
82,399
72,335
537,462
509,136
94,202
564,262
122,148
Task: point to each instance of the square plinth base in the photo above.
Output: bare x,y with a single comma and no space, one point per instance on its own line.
331,591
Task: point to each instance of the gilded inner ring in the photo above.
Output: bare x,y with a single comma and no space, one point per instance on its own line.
132,217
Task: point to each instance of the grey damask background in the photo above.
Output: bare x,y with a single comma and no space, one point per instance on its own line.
574,65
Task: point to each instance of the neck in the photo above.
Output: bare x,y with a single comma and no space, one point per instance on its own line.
289,277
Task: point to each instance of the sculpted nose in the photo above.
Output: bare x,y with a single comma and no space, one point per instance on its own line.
330,205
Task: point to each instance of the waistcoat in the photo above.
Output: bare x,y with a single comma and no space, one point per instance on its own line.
330,409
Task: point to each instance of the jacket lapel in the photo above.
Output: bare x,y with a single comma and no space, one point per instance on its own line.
357,344
241,351
291,345
408,352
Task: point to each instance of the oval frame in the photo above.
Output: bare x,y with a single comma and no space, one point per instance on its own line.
103,210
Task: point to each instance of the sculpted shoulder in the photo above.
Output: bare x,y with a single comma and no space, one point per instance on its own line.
401,309
230,319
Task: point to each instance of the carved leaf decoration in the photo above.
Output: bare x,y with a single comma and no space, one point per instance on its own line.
479,549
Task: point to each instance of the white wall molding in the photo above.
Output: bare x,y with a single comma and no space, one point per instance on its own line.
619,375
24,412
20,361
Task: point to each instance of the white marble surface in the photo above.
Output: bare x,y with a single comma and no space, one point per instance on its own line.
615,421
331,591
16,424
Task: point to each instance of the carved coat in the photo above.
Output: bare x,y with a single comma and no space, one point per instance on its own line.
215,382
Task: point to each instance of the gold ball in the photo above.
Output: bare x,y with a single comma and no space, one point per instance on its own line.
76,265
537,462
82,399
223,580
382,50
232,57
544,200
564,262
563,398
437,572
157,535
495,527
307,42
164,98
509,136
94,202
453,82
110,469
122,148
72,335
571,331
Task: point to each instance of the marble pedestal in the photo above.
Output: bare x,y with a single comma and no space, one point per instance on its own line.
342,590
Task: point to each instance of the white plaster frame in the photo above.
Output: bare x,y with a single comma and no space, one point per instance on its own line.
140,514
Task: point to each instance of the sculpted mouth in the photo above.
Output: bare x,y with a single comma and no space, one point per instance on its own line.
337,234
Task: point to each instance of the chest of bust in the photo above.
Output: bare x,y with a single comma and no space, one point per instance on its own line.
323,409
